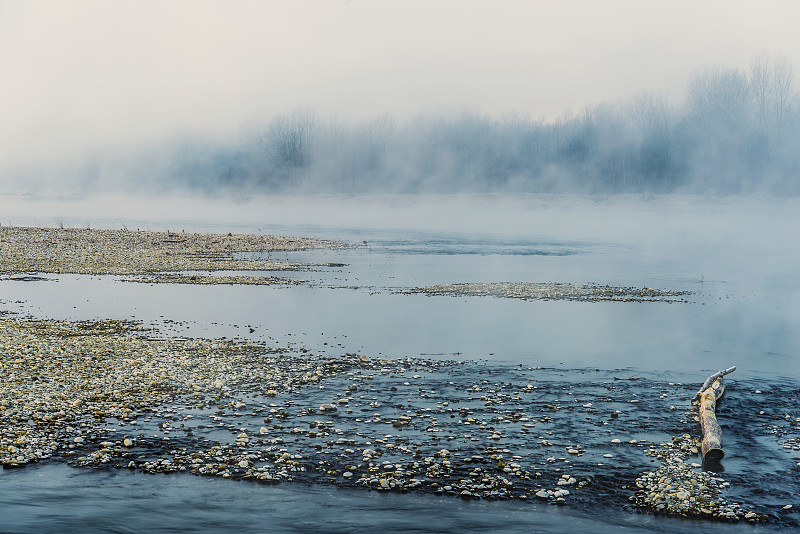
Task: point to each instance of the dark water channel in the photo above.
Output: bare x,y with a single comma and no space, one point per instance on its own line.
741,263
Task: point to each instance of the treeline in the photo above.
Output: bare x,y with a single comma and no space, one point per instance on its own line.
735,131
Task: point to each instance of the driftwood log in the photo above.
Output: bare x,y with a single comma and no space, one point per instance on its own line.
709,394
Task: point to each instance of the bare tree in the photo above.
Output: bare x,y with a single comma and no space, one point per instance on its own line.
719,97
653,117
771,83
287,140
761,87
782,83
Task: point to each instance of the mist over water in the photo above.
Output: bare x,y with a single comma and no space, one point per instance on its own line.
735,256
735,131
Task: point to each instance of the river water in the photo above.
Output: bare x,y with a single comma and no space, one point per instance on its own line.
739,258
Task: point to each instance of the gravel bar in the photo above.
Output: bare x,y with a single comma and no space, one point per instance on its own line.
124,252
553,291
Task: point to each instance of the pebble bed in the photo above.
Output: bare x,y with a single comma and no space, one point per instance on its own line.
124,252
680,487
554,291
108,394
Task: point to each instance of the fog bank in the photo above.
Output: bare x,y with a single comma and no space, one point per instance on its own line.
736,130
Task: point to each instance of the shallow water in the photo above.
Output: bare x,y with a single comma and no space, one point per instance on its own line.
56,498
739,258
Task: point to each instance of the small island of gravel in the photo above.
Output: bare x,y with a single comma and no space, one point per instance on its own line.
25,250
554,291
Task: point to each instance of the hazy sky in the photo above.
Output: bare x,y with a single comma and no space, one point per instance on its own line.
78,73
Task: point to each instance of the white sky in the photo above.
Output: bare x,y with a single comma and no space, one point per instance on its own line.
100,73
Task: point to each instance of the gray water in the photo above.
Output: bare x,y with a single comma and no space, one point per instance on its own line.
61,499
740,258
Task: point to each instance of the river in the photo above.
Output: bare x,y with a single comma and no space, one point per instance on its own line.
738,257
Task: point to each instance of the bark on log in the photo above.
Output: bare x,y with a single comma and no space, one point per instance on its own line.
712,433
713,377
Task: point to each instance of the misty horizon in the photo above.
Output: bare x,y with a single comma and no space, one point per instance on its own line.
735,131
358,97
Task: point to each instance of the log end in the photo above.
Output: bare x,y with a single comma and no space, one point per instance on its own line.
713,456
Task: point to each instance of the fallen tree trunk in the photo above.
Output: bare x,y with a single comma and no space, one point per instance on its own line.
712,433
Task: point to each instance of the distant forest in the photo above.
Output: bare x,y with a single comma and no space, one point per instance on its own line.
736,131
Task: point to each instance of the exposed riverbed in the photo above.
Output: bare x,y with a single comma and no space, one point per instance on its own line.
335,371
